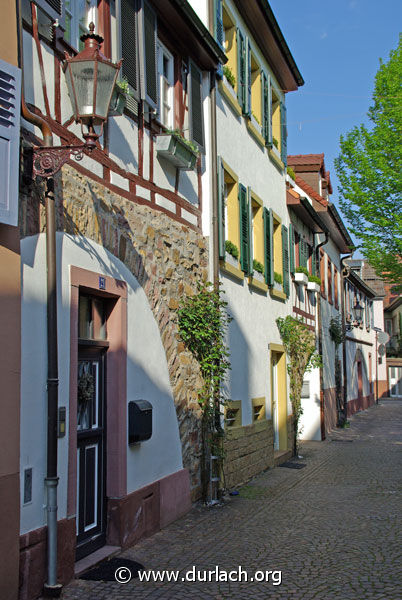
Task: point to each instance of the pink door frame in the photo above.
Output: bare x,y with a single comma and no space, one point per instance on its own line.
116,393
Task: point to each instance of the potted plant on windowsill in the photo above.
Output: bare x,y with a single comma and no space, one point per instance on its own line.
278,282
231,254
301,275
229,76
179,151
314,283
255,122
275,147
119,97
258,271
290,176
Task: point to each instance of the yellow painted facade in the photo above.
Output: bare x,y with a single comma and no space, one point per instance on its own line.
279,395
256,105
229,26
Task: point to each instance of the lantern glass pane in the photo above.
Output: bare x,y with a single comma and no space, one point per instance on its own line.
71,92
83,76
105,85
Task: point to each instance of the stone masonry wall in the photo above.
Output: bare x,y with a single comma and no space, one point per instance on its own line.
248,451
167,258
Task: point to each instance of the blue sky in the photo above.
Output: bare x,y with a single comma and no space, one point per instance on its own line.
336,45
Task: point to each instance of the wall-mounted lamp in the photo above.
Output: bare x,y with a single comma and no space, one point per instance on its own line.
358,311
90,78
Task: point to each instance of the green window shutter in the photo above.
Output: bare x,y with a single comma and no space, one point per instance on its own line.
195,102
291,249
247,99
269,246
149,86
129,44
265,107
250,230
269,111
241,69
303,253
284,135
221,209
218,24
244,230
219,31
285,259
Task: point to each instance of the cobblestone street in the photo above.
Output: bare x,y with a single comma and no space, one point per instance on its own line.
332,528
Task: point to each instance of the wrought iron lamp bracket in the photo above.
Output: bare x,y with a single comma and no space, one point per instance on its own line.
48,160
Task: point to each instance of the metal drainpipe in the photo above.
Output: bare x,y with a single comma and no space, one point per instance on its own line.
214,162
322,421
51,587
345,377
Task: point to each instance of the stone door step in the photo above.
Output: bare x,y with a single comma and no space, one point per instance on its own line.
93,559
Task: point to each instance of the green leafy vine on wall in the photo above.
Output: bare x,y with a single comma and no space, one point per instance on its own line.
203,322
337,335
300,347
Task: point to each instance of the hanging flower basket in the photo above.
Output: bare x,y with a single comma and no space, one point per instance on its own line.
176,150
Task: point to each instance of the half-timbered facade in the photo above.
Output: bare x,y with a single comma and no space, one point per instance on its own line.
322,256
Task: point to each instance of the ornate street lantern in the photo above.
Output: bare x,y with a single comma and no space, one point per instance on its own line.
90,78
358,311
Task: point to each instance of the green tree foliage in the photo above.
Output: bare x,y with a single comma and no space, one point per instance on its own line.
369,168
300,347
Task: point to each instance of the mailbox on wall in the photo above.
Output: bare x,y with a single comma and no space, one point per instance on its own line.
139,421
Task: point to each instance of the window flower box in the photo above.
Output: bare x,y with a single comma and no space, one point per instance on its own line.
231,260
312,286
258,276
176,151
301,278
255,123
278,286
229,87
117,103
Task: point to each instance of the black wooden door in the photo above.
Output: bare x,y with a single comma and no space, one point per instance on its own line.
91,450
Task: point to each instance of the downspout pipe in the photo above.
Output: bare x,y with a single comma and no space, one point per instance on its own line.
322,423
345,375
51,587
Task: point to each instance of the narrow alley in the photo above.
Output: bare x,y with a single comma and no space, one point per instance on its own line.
333,528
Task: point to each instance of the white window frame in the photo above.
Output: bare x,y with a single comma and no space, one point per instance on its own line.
163,52
72,13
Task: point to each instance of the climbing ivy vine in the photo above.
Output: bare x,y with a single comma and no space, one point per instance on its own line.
300,346
203,322
338,336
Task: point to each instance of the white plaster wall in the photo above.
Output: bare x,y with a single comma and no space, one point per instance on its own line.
378,309
32,82
147,373
328,312
206,173
310,420
123,142
254,326
249,335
